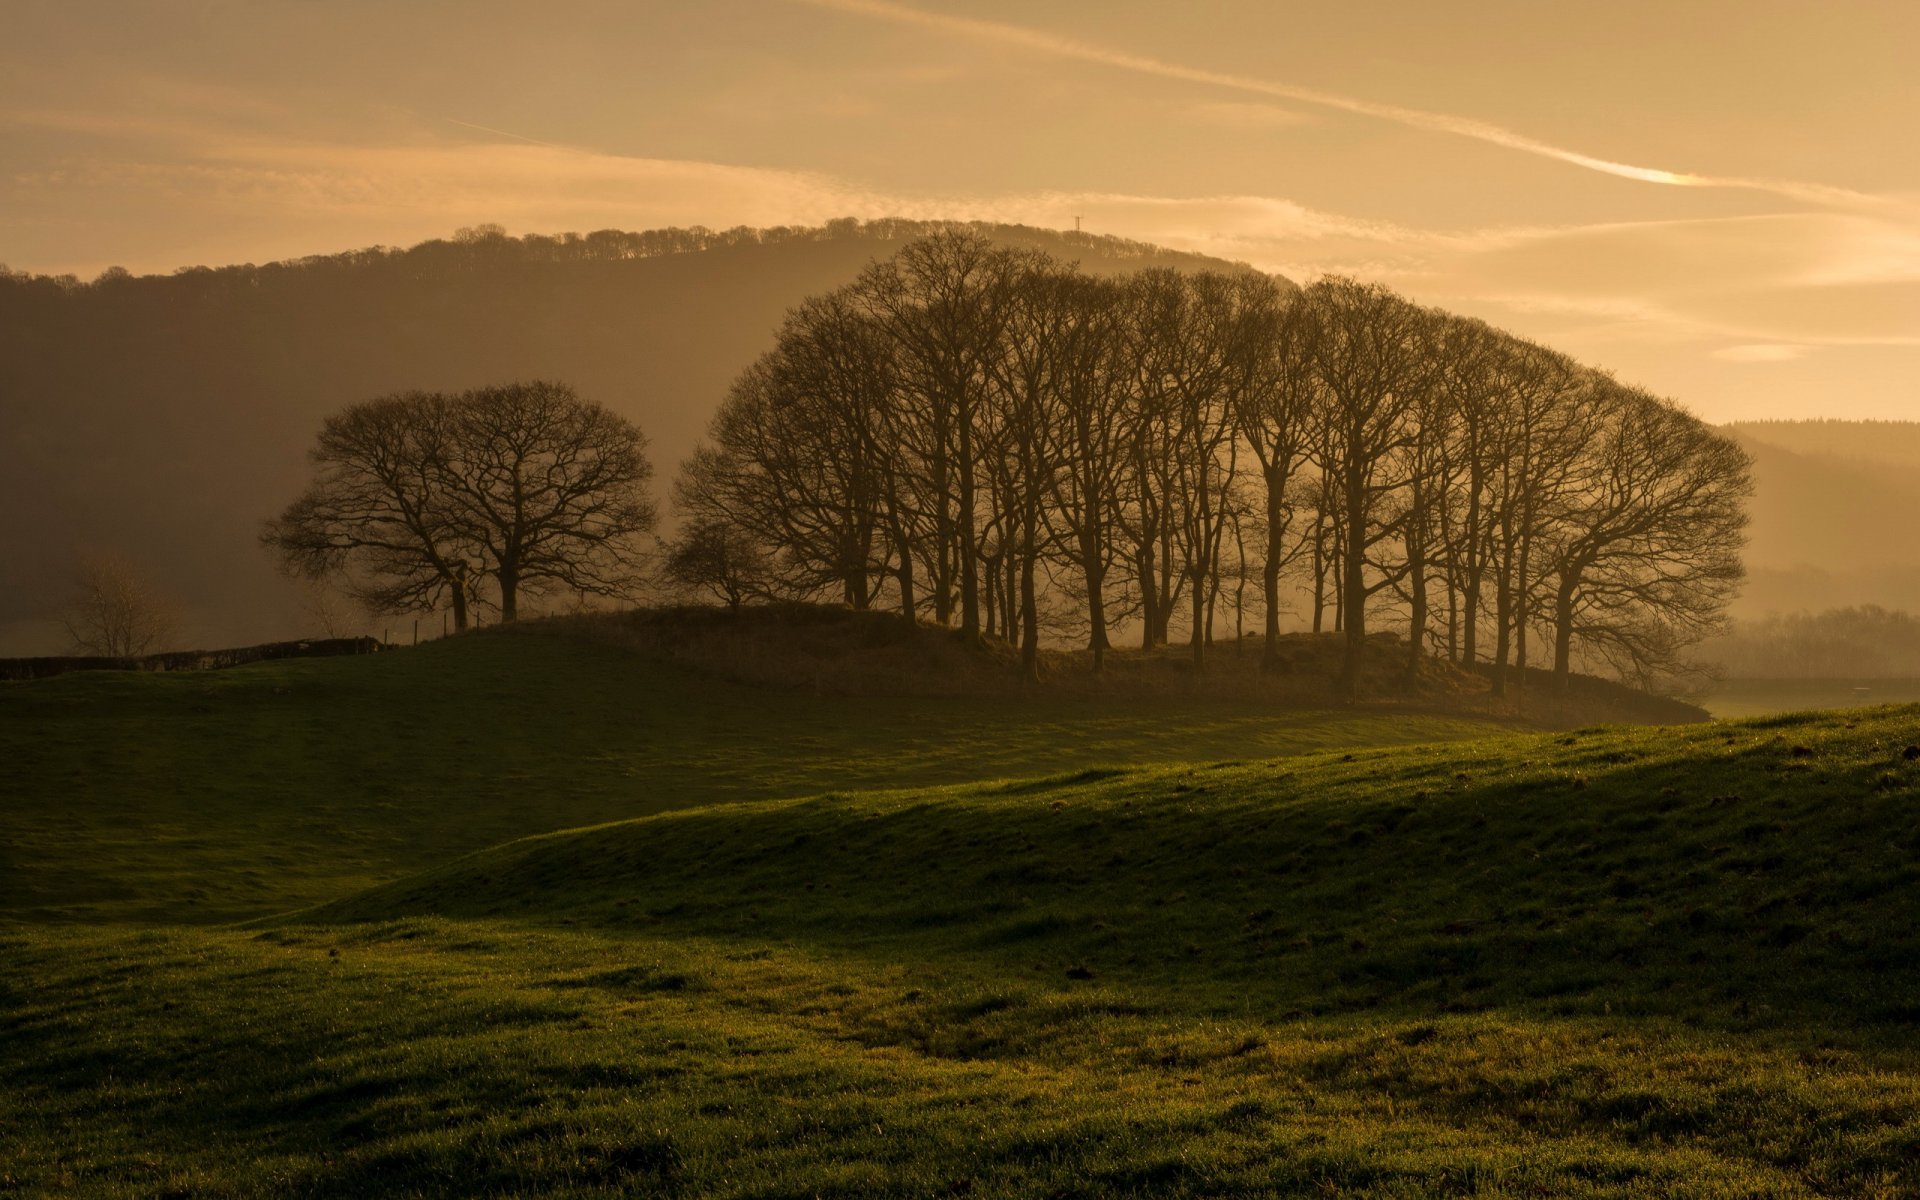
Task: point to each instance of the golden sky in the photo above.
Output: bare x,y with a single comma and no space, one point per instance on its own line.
1719,199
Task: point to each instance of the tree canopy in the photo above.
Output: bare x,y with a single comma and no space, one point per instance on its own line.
422,500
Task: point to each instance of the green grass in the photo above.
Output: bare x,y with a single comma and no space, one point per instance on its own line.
1734,875
213,797
1605,963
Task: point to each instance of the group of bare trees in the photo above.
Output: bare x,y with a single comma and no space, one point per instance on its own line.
424,500
989,437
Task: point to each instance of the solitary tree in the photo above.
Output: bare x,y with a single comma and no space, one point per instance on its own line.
421,496
553,487
115,611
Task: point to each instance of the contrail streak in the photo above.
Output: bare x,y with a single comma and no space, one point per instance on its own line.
507,133
1042,42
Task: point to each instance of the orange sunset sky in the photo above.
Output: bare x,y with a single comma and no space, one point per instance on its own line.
1720,200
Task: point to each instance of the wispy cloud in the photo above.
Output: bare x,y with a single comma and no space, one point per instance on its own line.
1761,352
1236,114
1717,285
1044,42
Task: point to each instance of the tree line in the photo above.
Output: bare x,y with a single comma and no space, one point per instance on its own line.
1865,642
425,500
992,439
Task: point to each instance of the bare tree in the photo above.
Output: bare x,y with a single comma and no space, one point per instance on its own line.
1089,439
1543,421
378,515
1468,379
1375,361
719,558
115,611
943,301
1026,404
795,461
1276,413
1647,557
553,486
337,614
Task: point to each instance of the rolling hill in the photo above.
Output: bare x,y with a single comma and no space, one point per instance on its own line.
1605,963
231,794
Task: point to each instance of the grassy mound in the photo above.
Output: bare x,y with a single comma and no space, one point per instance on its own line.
218,796
1718,873
1640,963
828,650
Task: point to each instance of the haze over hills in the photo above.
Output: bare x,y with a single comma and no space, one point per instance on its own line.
1833,512
164,417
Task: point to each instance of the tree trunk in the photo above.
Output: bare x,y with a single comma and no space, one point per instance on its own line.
1270,573
1354,585
1029,619
1198,639
1563,633
1520,618
1319,574
1417,616
1095,572
509,578
906,581
1470,619
969,548
1503,628
992,609
1143,566
1453,622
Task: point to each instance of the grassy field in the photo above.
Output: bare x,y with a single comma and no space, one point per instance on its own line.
1604,963
210,797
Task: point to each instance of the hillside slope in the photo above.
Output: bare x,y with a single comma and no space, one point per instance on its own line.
825,649
168,416
1651,963
1773,864
237,793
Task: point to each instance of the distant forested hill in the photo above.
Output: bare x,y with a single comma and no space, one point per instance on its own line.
1892,443
164,417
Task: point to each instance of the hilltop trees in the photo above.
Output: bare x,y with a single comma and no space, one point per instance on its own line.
986,433
420,498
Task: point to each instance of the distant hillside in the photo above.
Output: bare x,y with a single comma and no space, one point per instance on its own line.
164,417
1833,515
1896,443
